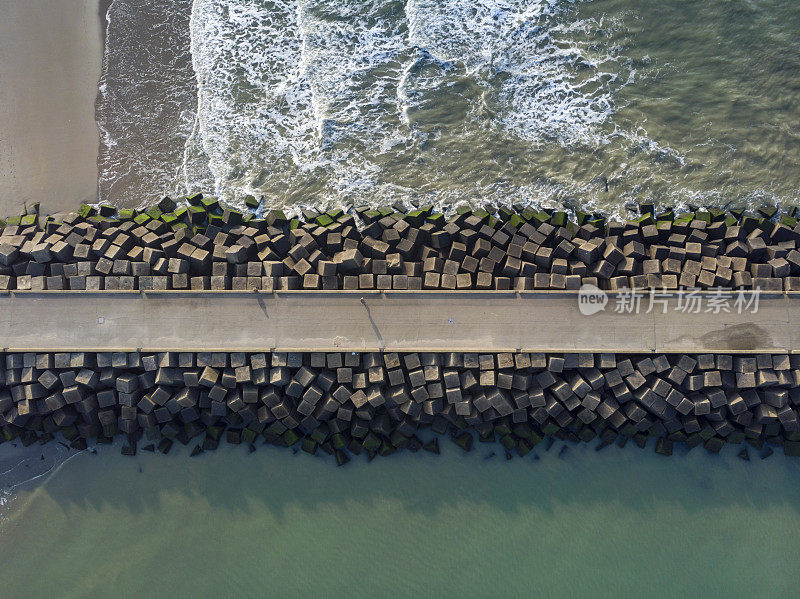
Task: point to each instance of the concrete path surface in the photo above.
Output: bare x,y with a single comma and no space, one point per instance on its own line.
401,321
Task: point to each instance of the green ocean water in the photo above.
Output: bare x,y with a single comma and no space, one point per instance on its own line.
617,523
577,103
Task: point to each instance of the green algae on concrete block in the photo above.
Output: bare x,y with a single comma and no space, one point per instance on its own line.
464,441
210,204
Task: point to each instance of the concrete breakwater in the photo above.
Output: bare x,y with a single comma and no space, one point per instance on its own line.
377,403
200,245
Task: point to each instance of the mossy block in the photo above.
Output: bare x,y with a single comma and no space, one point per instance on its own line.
789,221
215,219
210,204
107,210
735,438
28,220
398,439
587,434
386,448
516,220
704,216
177,226
464,441
276,218
248,217
276,428
505,213
335,213
165,445
153,212
502,429
437,219
28,438
127,214
290,437
550,428
737,213
194,199
2,223
582,217
233,436
647,208
730,221
791,448
432,446
749,224
85,211
664,446
338,440
70,433
341,457
251,202
717,215
559,219
371,442
323,220
166,204
508,442
215,431
597,222
100,222
197,215
678,436
493,222
181,211
481,214
309,445
684,217
768,211
765,225
248,436
666,215
169,218
794,212
232,217
142,219
415,218
294,224
523,448
385,211
714,445
527,214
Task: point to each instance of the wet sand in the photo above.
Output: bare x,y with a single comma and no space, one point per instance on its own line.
50,59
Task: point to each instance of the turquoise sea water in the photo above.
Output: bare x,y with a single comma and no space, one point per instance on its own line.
617,523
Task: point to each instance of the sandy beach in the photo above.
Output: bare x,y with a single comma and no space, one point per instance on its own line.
50,59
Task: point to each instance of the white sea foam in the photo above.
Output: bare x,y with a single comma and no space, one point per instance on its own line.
325,102
330,102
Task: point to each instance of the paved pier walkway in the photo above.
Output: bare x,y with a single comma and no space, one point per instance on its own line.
398,321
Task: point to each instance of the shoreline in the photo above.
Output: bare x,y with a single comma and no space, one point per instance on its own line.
50,63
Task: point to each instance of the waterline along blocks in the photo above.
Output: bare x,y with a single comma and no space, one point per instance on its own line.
218,248
377,403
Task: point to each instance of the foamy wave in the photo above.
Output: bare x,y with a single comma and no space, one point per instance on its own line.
327,102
